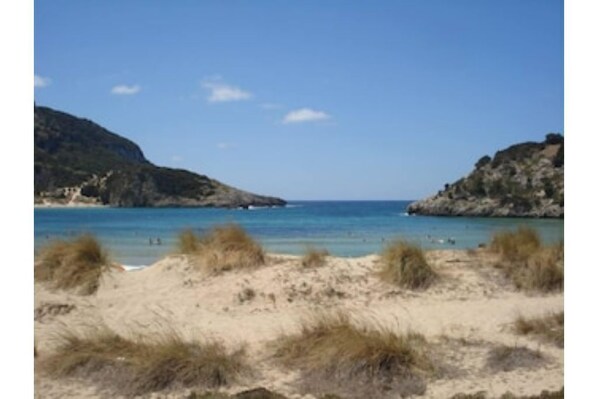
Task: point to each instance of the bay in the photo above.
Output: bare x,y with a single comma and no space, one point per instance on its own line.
344,228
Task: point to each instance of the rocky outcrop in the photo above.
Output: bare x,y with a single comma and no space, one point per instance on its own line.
524,180
78,162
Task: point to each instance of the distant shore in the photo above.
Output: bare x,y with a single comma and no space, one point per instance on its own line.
69,205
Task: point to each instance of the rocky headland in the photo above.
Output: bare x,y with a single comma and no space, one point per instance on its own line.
79,163
524,180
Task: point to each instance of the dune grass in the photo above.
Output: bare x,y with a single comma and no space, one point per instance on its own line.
255,393
405,265
332,349
531,265
516,245
314,257
140,365
188,242
223,248
550,328
560,394
543,271
76,264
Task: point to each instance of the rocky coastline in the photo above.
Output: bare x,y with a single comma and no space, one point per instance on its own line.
524,180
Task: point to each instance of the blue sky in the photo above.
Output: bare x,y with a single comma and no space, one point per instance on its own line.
311,99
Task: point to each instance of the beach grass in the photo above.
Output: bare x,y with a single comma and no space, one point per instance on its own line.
76,264
543,271
516,245
314,257
224,247
531,265
560,394
546,394
405,265
187,242
135,366
550,327
332,349
255,393
207,395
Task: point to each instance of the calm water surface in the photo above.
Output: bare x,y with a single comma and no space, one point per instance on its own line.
345,228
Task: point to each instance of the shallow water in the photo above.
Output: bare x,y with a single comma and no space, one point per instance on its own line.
345,228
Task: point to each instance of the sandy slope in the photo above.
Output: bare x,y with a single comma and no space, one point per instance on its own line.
468,312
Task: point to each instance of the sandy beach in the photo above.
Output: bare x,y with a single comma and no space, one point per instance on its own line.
469,311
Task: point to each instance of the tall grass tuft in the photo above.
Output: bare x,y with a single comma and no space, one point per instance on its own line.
330,347
314,257
138,366
527,262
543,271
545,394
188,242
76,264
223,248
518,245
550,327
405,264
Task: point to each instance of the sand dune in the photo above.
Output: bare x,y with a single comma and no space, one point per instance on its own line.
469,311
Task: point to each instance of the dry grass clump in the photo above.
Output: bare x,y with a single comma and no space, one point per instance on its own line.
223,248
560,394
477,395
256,393
138,366
516,246
207,395
528,263
188,242
550,327
332,352
544,270
507,358
72,264
314,257
405,264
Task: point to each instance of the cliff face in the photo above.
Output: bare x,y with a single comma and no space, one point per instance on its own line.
79,162
524,180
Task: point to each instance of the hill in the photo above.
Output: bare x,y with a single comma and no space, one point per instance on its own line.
79,162
524,180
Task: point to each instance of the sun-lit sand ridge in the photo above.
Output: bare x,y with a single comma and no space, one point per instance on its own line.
467,317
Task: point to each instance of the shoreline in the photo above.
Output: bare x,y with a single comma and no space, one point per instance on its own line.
69,205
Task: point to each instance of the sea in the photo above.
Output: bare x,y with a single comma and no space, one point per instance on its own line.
137,237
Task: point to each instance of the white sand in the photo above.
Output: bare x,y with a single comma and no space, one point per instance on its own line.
470,302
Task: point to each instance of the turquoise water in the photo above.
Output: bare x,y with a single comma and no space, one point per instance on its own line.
345,228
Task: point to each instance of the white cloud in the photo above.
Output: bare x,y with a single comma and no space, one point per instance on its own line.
305,115
40,81
221,92
125,90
